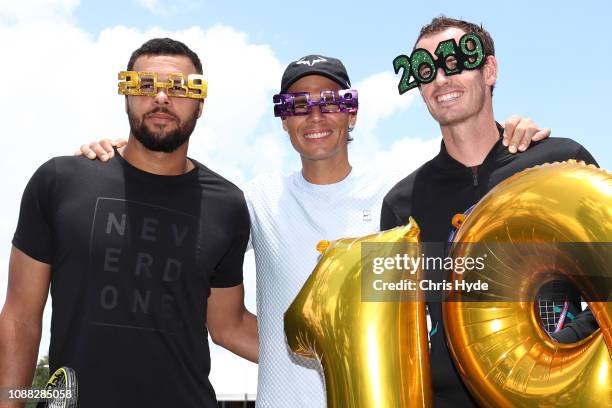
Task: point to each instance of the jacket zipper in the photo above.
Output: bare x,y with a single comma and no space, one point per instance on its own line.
475,175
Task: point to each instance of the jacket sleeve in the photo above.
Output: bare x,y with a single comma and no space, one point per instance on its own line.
584,155
388,218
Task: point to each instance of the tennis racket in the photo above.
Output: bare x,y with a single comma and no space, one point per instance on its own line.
62,386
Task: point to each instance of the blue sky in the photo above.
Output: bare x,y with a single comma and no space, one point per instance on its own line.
552,55
553,63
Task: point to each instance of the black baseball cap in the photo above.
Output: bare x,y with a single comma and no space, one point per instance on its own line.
329,67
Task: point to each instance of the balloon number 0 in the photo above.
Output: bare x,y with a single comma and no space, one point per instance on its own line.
452,58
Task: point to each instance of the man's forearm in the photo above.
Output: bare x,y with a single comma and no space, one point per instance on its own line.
242,339
19,342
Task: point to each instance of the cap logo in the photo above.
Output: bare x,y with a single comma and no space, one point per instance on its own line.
311,62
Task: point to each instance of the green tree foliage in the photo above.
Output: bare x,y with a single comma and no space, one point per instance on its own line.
41,376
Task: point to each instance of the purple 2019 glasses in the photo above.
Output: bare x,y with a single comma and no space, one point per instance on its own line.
295,104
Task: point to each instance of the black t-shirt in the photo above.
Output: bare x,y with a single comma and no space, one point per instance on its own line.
133,257
437,191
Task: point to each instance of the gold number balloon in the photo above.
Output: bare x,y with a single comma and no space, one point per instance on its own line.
503,355
374,354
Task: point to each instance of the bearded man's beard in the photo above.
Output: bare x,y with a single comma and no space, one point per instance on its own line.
159,140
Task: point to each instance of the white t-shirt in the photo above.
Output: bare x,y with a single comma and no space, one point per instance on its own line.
288,217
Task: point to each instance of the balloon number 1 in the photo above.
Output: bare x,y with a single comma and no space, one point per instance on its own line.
374,353
451,58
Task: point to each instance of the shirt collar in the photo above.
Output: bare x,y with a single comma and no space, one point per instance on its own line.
498,154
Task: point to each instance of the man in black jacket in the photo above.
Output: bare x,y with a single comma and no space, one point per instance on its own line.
472,160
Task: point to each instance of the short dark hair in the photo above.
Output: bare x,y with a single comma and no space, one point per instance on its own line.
165,46
441,23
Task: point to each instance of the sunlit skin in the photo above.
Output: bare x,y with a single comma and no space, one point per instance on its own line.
320,138
462,104
180,110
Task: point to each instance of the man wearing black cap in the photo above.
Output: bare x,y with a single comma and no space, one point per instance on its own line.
292,213
325,199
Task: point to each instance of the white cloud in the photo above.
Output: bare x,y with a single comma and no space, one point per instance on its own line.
167,8
151,5
12,11
378,100
403,157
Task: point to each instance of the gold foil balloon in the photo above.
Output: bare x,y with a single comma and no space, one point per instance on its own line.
504,356
373,353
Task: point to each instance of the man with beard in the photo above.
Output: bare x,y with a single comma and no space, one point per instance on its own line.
472,160
142,255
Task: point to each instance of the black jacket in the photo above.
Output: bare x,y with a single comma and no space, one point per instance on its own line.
443,187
